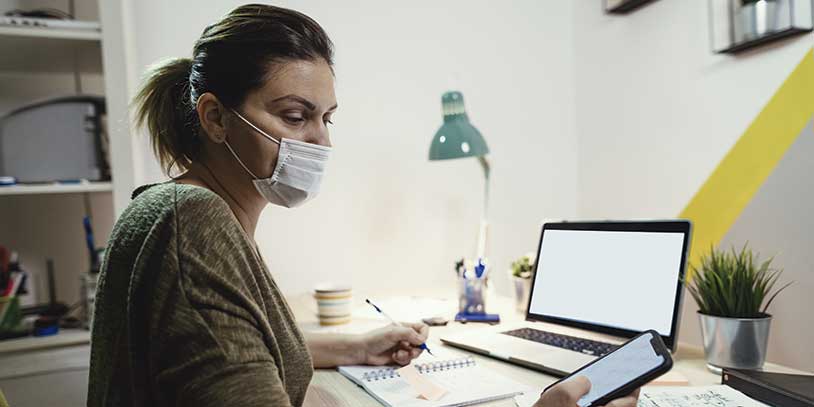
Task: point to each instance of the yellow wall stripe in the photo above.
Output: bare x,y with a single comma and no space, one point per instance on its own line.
725,194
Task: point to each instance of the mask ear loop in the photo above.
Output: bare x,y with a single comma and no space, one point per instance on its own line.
239,161
254,127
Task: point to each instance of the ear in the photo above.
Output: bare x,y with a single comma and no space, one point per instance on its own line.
212,116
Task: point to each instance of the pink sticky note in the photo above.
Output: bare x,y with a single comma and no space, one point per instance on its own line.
426,389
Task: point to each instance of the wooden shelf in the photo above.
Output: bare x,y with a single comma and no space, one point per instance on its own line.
35,189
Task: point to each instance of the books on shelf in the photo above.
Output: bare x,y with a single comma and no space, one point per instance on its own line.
53,23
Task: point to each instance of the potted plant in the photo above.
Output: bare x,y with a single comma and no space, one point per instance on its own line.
733,290
522,270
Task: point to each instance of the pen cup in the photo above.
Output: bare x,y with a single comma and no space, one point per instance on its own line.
333,304
472,295
87,297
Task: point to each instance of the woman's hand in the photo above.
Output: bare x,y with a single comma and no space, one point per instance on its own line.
566,394
392,344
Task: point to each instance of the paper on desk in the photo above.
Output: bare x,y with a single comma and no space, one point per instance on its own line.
697,396
425,387
671,396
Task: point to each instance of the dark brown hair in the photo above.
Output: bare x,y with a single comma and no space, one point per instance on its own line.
233,57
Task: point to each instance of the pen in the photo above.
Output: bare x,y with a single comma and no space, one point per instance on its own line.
89,239
379,310
480,269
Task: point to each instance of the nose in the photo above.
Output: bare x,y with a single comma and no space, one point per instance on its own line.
321,136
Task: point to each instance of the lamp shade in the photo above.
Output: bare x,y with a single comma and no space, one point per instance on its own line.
457,138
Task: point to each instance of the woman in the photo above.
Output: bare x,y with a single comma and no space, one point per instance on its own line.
186,312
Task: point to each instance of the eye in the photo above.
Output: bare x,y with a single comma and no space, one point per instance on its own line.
294,120
328,121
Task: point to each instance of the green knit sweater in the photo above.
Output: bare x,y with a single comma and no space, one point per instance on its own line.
187,314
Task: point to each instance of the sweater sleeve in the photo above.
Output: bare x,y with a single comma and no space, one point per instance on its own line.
210,350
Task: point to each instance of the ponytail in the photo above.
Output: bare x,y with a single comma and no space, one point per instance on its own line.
163,106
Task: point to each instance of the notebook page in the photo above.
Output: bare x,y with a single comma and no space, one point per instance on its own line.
357,372
465,385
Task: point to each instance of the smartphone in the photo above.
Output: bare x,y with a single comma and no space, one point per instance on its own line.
619,373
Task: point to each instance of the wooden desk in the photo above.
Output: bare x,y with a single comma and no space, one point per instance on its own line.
60,363
329,388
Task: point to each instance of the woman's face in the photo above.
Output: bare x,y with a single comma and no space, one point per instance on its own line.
295,103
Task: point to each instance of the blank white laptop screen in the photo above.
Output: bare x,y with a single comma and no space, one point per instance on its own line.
623,280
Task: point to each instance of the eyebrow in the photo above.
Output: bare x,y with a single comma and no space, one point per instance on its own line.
305,102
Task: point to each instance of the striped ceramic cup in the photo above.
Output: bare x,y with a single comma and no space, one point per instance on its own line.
333,303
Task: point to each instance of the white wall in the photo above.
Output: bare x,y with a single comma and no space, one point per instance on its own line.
587,115
656,111
386,215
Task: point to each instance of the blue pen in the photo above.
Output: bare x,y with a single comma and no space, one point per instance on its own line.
480,268
89,239
379,310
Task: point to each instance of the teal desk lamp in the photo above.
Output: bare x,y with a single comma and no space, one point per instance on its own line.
457,138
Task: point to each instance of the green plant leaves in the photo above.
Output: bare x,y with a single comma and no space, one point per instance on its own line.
523,266
732,284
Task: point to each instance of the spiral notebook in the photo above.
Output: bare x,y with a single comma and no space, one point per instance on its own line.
466,383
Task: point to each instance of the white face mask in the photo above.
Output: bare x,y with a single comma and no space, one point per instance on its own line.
298,173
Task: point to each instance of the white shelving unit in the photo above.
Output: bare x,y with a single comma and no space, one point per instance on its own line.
66,337
44,221
51,33
84,187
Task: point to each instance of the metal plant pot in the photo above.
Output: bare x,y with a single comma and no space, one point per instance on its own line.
754,20
522,288
738,343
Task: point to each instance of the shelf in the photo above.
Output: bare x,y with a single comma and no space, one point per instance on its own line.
623,6
30,50
51,33
736,25
37,189
774,36
65,337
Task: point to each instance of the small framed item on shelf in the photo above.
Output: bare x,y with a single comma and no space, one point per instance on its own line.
738,25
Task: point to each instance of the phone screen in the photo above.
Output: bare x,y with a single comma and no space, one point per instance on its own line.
619,368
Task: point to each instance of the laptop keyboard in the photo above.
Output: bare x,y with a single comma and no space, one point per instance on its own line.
575,344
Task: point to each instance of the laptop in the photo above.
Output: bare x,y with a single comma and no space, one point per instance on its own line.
595,285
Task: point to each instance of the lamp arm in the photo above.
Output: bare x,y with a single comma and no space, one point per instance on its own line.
484,225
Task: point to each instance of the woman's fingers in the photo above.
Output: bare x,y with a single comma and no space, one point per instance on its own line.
628,401
565,393
401,357
423,330
404,333
576,387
